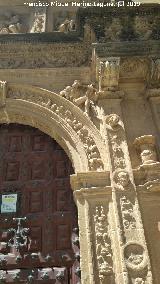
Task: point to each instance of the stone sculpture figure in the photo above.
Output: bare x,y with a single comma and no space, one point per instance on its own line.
67,26
10,25
80,95
113,31
109,74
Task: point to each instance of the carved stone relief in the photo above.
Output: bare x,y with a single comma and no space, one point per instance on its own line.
57,55
10,23
143,27
103,244
116,136
135,256
110,27
82,96
136,67
145,146
155,72
39,21
67,26
92,152
108,73
89,34
127,210
122,180
113,30
3,92
125,203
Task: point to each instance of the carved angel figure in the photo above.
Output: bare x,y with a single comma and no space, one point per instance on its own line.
138,281
80,95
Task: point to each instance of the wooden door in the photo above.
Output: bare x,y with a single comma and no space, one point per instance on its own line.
38,229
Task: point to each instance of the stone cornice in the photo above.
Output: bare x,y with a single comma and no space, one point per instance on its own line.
132,48
90,180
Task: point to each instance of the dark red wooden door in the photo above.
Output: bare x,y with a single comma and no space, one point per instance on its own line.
43,248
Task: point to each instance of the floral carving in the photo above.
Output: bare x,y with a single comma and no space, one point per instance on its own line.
127,211
103,246
113,120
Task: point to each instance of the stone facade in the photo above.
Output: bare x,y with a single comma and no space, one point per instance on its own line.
90,78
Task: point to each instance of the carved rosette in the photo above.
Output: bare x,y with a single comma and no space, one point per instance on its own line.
103,244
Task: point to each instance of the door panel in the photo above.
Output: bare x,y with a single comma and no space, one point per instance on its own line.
36,168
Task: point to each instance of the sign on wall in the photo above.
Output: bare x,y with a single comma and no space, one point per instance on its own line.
9,203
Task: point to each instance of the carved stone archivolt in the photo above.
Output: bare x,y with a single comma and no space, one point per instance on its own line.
69,119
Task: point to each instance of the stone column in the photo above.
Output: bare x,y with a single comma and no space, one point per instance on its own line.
93,197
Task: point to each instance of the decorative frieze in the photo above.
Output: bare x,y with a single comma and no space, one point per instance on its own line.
103,244
56,55
39,22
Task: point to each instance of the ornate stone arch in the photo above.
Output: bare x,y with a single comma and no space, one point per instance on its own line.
59,118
